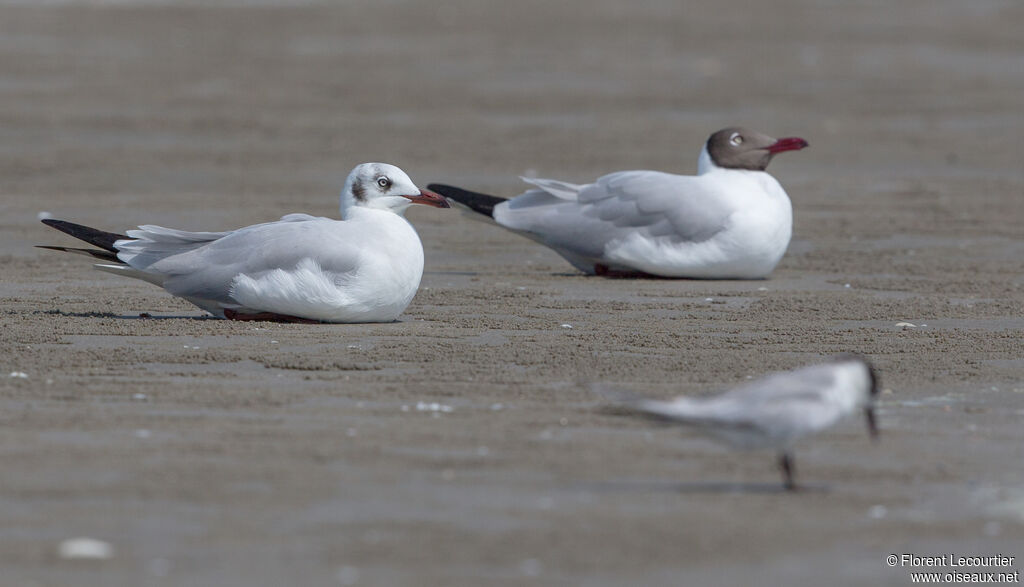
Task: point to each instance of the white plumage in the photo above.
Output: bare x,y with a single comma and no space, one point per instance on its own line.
721,224
775,411
364,268
732,220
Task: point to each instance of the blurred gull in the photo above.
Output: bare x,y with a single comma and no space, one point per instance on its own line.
731,220
775,411
364,268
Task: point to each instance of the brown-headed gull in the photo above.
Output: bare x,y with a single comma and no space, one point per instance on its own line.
363,268
775,411
731,220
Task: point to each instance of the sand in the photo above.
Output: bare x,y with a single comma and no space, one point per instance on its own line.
461,445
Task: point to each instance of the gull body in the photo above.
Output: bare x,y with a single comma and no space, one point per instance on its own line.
301,268
730,221
776,411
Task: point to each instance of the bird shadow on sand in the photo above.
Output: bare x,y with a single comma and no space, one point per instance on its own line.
614,276
623,276
704,487
142,316
468,273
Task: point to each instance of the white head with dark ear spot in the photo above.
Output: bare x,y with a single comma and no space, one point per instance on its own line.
384,187
741,148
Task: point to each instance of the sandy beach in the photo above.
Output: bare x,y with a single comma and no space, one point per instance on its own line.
462,445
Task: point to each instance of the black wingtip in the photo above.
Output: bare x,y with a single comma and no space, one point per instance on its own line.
98,238
481,203
95,253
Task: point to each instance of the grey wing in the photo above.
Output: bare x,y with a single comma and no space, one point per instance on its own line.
807,382
299,217
735,428
791,399
208,271
151,243
682,208
615,207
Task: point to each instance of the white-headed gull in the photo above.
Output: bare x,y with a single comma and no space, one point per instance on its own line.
363,268
775,411
731,220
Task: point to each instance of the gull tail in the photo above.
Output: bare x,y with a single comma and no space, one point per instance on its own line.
106,251
474,201
98,238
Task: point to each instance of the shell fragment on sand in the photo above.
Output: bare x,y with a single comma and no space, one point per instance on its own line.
85,548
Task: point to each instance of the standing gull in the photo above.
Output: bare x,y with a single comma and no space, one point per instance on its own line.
775,411
730,221
363,268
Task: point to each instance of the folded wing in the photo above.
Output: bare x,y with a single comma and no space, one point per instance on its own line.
583,222
242,268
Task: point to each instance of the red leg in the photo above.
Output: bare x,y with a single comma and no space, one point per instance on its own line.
267,317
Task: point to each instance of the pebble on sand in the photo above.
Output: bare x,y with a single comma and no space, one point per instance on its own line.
433,407
85,549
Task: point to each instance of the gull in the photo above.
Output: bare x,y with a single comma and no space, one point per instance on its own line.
301,268
775,411
730,221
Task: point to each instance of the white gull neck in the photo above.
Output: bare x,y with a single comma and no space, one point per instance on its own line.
704,162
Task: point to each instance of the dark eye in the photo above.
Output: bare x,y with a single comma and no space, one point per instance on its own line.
384,182
736,139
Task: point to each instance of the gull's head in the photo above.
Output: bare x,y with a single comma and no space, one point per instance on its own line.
741,148
866,386
384,187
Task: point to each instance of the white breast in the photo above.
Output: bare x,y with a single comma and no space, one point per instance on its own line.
759,231
754,239
376,288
